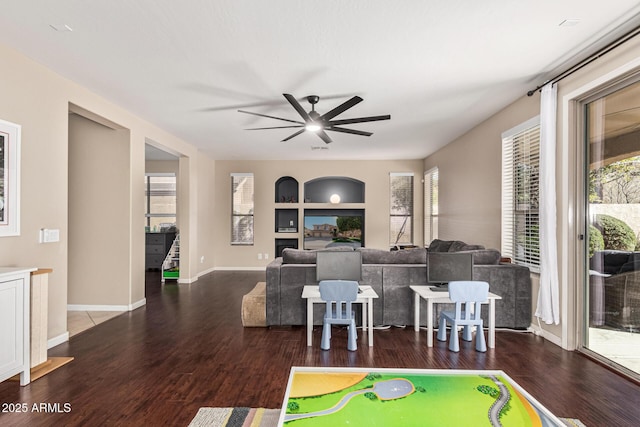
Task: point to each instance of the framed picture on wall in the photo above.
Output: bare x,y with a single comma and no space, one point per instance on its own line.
9,179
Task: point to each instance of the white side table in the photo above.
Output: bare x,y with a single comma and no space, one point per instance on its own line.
442,297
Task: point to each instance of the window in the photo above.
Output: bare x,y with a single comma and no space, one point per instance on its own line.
160,193
242,209
401,212
430,205
520,191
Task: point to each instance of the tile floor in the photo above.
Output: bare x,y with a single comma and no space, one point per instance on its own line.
78,321
618,346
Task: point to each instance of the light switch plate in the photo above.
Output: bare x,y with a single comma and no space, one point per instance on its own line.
49,235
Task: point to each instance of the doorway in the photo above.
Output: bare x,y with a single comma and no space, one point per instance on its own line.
611,326
162,236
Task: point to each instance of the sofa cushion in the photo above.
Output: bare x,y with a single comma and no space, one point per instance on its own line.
296,256
301,256
405,256
438,245
485,256
458,246
609,261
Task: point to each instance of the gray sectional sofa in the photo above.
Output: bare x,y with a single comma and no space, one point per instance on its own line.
390,273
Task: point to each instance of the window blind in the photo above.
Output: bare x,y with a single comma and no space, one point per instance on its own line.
430,205
160,194
401,209
520,194
242,208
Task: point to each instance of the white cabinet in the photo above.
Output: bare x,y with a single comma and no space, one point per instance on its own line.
14,323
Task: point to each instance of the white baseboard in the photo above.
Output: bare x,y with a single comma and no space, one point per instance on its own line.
211,270
205,272
90,307
62,338
137,304
546,335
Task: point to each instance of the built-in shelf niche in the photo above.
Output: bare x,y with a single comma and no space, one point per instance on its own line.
325,190
282,244
286,220
286,190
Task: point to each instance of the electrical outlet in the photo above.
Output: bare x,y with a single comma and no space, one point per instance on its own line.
260,256
266,256
202,259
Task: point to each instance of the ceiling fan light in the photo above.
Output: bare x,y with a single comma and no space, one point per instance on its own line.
313,127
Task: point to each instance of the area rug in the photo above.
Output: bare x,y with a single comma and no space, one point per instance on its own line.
261,417
236,417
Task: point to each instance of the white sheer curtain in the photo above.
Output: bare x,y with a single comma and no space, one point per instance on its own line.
548,297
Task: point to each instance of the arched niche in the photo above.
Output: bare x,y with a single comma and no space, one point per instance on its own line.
320,190
286,190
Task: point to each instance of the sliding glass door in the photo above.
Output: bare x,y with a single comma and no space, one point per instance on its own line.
612,207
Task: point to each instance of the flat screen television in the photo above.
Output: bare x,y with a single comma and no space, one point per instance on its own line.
333,227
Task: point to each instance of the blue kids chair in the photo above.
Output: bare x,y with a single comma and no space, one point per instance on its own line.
338,296
468,296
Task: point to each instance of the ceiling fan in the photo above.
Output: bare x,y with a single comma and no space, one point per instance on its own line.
318,124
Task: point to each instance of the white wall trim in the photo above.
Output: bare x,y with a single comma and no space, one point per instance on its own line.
89,307
546,335
205,272
137,304
62,338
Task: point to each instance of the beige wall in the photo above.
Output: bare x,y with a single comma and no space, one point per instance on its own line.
162,166
470,176
99,206
207,201
374,173
39,100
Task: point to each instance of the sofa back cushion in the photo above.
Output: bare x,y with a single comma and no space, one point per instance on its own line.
438,245
485,256
300,256
609,261
404,256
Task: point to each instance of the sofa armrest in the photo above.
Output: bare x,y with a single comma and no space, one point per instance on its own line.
273,291
513,283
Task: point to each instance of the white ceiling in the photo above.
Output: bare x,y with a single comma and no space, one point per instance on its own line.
437,67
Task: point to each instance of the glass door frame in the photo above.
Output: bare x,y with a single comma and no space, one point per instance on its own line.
582,160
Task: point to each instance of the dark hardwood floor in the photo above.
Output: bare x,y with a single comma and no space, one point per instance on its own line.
187,349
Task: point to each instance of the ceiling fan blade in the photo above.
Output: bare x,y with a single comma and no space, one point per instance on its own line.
294,135
270,117
352,131
277,127
323,136
341,108
359,120
296,105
